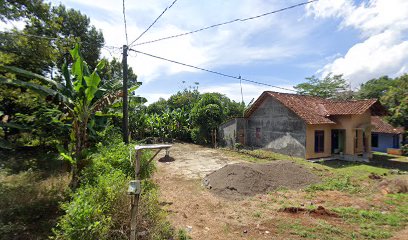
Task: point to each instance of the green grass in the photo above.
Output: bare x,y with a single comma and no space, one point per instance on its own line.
379,220
377,223
318,230
340,184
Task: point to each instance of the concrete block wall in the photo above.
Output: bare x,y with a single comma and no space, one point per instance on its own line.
273,126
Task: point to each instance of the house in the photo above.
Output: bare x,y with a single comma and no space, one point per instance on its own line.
305,126
384,136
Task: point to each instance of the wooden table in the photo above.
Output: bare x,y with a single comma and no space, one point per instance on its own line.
134,203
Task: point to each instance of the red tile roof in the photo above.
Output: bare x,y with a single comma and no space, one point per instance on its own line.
315,110
381,126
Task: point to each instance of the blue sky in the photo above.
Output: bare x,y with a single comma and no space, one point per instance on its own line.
360,39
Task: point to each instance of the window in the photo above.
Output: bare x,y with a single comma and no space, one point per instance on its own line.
258,133
319,141
374,140
356,145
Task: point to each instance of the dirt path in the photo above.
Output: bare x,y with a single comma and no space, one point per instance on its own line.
194,162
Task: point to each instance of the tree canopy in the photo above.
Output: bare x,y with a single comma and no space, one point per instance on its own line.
328,87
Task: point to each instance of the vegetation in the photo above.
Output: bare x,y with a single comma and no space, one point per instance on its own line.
99,208
328,87
59,100
186,115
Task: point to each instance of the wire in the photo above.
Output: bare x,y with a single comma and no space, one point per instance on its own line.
124,20
224,23
211,71
151,25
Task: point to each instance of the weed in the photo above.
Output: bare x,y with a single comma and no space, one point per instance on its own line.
257,214
182,235
340,184
374,224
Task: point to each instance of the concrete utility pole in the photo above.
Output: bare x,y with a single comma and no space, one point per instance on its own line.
125,126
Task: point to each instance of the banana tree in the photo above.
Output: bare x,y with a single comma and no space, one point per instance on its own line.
80,97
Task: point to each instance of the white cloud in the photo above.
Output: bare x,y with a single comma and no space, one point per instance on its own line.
224,46
383,25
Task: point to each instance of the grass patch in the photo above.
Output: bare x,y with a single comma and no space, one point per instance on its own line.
374,223
29,204
318,230
340,184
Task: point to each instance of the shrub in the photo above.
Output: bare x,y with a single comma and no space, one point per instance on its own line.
116,156
89,214
404,149
100,207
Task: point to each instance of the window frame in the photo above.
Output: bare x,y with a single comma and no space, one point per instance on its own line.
319,141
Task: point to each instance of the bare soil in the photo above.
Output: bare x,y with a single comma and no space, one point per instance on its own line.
205,215
248,179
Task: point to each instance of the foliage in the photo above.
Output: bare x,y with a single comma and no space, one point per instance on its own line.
392,93
404,149
328,87
78,97
396,101
209,112
375,88
89,214
99,208
42,47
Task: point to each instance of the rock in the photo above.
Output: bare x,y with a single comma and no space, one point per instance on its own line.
267,232
189,229
245,231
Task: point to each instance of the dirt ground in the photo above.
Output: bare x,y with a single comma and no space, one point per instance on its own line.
193,161
203,214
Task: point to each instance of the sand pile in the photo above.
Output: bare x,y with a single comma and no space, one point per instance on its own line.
247,179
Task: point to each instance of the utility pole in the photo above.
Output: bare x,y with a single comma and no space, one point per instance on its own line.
125,126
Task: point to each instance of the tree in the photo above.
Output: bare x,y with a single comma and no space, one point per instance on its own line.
41,47
49,33
185,99
395,99
375,88
328,87
206,115
77,97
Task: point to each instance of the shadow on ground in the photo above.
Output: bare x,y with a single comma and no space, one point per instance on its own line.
383,161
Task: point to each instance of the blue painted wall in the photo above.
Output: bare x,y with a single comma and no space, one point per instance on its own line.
385,140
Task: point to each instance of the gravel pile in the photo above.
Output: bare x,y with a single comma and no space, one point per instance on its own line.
247,179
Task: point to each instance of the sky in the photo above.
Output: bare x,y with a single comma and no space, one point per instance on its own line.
361,39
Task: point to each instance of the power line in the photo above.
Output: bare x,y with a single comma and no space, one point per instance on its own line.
224,23
124,20
151,25
211,71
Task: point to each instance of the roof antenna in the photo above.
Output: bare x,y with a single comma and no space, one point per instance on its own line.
242,95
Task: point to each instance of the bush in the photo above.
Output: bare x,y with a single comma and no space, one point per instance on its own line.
404,149
100,207
89,214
